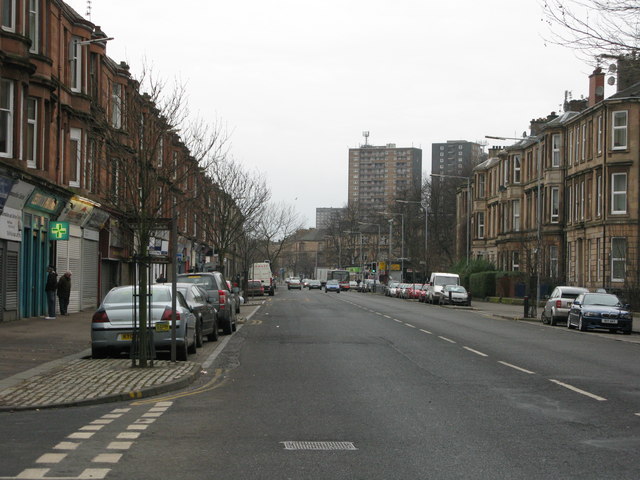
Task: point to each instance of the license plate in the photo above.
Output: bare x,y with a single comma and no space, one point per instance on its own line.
125,337
612,321
162,326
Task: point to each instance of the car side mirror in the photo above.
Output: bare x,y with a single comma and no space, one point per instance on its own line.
576,303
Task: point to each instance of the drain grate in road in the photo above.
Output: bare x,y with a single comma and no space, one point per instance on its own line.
296,445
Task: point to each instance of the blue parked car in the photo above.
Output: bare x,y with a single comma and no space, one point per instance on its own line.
600,310
332,286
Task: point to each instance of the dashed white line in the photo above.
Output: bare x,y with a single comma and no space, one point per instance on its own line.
409,325
51,458
119,445
446,339
578,390
524,370
396,320
386,316
476,352
426,331
81,435
107,458
66,446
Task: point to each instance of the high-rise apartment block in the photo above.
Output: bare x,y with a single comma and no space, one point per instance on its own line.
455,157
378,175
326,215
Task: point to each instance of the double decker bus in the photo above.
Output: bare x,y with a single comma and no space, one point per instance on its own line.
342,276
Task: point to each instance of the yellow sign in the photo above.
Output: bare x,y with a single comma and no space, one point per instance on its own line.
382,265
395,267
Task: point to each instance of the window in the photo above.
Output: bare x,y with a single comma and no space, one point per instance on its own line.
115,180
553,261
34,24
89,165
481,186
570,145
31,140
555,204
116,105
480,224
6,118
555,150
618,259
515,261
599,195
516,169
599,141
75,156
619,134
576,149
515,208
570,209
505,172
75,62
583,154
618,193
598,267
93,75
582,200
9,15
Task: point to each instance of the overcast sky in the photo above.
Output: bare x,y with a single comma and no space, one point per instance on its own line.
297,82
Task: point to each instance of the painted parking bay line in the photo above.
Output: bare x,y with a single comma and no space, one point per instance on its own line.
578,390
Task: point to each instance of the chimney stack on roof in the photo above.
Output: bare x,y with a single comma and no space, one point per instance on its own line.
596,87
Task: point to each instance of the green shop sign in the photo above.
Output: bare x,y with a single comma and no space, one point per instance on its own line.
58,230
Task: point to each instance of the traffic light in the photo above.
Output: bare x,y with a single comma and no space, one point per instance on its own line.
373,267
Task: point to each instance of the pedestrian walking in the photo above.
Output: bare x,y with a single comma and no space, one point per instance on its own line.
64,292
50,289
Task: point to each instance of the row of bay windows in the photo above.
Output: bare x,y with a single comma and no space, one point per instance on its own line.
582,265
31,20
581,206
579,149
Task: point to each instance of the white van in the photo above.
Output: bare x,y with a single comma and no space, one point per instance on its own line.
436,282
262,271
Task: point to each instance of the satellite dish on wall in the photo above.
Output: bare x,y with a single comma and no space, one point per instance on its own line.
613,68
611,80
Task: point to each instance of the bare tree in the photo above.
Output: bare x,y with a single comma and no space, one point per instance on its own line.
277,226
594,26
239,200
150,169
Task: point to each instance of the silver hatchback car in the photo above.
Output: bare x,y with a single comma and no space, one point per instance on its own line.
112,325
559,303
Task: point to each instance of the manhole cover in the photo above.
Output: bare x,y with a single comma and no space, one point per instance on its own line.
319,446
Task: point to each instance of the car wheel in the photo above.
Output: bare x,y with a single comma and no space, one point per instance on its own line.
97,352
213,336
227,329
552,320
543,318
581,325
199,335
183,351
194,344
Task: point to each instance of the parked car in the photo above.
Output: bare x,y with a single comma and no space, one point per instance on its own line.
220,296
422,293
332,286
315,284
305,282
294,283
112,325
235,297
255,288
559,302
353,285
455,295
600,310
391,289
201,307
437,281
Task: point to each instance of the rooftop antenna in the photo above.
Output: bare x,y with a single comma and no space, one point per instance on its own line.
88,14
366,138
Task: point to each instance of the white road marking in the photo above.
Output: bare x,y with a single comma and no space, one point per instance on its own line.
578,390
112,415
92,428
33,473
137,427
426,331
128,435
121,410
51,458
386,316
101,421
447,339
476,352
145,420
152,414
66,446
396,320
94,473
81,435
168,404
107,458
119,445
524,370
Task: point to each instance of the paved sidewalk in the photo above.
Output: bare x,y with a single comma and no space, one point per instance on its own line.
47,363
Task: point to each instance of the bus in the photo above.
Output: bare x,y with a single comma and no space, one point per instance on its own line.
342,276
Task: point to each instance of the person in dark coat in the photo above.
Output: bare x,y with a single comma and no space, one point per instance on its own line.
50,289
64,292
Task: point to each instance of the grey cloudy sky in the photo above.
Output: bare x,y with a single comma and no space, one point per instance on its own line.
297,82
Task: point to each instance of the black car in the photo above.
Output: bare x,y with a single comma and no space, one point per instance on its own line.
220,296
206,315
600,310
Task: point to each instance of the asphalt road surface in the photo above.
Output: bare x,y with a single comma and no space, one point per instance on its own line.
359,386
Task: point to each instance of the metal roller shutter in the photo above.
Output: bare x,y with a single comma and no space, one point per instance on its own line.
90,268
69,258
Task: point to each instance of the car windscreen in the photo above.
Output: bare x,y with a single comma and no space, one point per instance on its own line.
456,288
445,280
605,300
571,296
125,295
206,281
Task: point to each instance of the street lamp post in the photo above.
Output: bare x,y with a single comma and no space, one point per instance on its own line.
377,253
468,179
425,207
534,310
